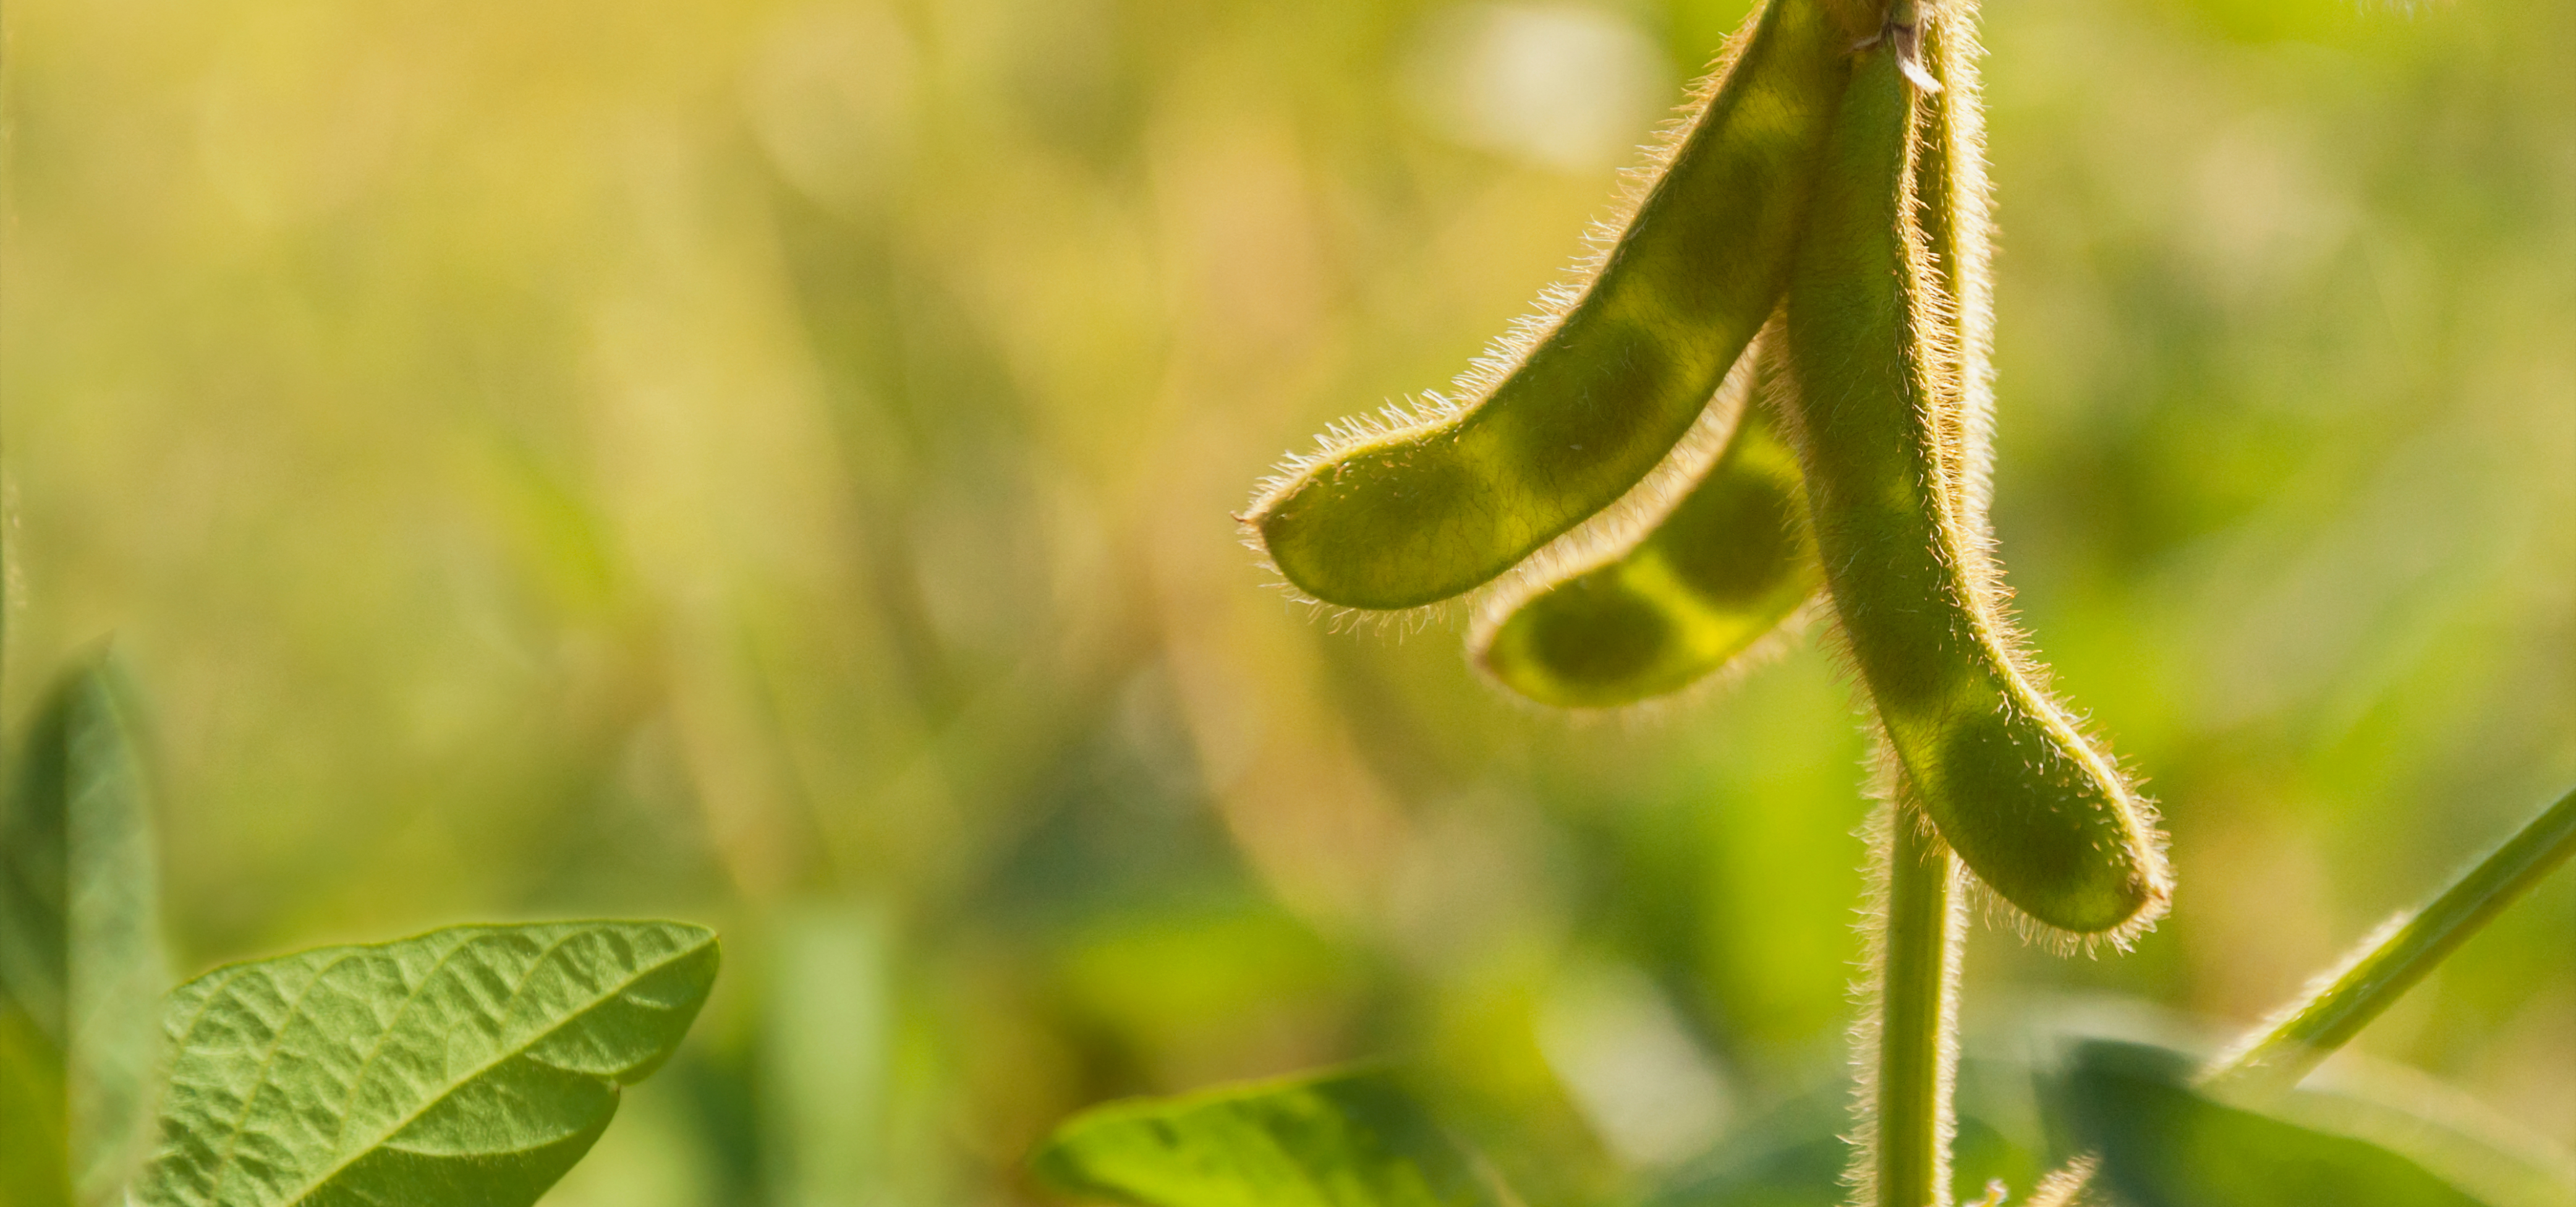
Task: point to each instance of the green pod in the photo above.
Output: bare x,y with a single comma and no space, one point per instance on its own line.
1575,407
1725,568
1889,439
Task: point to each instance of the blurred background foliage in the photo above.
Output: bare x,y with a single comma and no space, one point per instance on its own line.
769,464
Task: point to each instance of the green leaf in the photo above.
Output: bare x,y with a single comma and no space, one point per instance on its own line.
81,963
1797,1151
472,1065
829,1030
32,1146
2163,1144
1804,1165
1352,1139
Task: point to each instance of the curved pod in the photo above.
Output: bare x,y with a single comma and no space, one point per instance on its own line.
1570,412
1889,435
1723,570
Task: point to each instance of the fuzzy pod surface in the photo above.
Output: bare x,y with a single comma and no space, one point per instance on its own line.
1888,415
1726,568
1584,399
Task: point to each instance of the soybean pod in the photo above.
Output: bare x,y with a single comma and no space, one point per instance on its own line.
1953,203
1726,568
1565,415
1889,438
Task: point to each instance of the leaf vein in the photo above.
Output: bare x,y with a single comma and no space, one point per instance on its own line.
367,1066
324,1177
224,1165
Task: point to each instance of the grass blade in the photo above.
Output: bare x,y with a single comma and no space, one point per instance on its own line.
2390,962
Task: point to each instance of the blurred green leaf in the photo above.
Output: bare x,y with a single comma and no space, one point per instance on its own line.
828,1042
32,1147
2165,1145
1352,1139
81,962
1796,1157
472,1065
1805,1172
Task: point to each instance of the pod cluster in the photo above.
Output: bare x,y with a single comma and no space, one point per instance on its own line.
1767,396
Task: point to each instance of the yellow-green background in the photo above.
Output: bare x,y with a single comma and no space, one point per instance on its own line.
769,464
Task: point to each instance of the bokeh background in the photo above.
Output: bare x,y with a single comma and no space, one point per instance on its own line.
769,464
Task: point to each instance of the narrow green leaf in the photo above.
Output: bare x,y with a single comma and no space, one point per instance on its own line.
81,960
2165,1145
32,1143
2391,962
828,1034
1351,1139
472,1065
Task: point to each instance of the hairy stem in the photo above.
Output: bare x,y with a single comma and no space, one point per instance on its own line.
1911,1021
2390,962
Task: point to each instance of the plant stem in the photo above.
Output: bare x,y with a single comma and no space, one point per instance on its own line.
1914,1014
2389,963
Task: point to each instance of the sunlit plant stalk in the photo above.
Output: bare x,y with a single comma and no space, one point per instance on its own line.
2392,960
1907,1038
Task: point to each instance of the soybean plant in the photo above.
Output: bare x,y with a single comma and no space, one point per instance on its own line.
1875,372
1831,193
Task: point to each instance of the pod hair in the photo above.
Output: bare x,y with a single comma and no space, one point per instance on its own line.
1888,407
